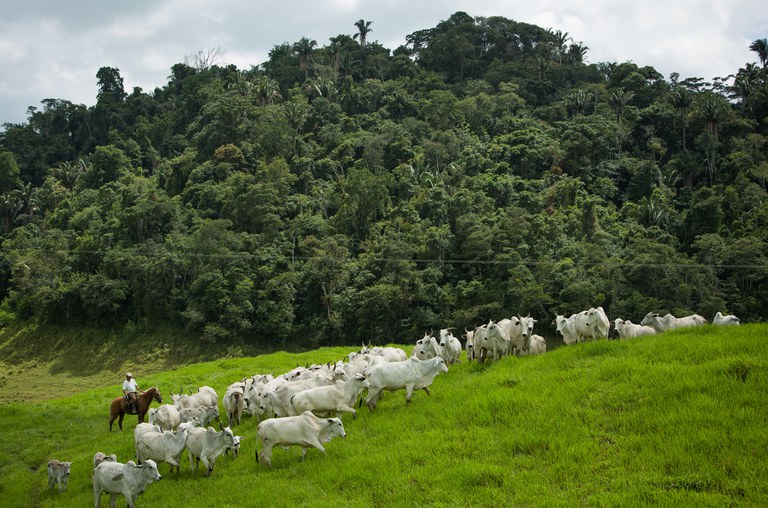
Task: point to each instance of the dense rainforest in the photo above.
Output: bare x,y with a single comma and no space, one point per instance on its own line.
351,192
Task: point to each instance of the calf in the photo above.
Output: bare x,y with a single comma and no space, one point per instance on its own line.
127,479
628,330
58,472
234,402
305,430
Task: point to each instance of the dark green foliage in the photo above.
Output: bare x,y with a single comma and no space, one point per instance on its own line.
346,192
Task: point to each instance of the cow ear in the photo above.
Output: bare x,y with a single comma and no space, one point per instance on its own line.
117,478
330,420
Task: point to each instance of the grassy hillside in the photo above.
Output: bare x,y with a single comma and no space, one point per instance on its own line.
677,419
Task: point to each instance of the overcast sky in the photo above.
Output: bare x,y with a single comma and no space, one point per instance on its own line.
53,48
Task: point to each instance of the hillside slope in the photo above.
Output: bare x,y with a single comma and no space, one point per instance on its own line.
677,419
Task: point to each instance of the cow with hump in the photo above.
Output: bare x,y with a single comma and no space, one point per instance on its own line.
305,430
412,374
127,479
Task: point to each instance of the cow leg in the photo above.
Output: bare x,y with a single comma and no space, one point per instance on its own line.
112,500
372,398
343,408
426,389
208,465
50,482
96,497
408,393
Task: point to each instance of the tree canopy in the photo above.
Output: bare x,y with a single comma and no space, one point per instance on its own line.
349,191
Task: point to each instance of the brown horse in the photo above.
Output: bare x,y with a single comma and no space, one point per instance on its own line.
117,408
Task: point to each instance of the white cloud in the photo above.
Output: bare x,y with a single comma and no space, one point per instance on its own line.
50,49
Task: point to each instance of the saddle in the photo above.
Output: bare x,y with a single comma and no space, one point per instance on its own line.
128,408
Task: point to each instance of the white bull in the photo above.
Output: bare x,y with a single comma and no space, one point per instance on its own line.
127,479
408,375
162,446
205,396
206,445
629,330
338,397
166,417
305,430
451,347
719,319
670,322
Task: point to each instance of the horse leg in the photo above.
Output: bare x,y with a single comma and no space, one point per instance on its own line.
141,417
120,421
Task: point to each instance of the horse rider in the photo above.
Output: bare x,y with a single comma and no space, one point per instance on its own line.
129,390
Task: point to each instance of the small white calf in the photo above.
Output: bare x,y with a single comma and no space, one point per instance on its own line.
58,472
628,330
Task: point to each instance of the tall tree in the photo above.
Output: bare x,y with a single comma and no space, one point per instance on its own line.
760,46
304,49
364,28
682,99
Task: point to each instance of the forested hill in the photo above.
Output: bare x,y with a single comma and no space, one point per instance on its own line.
348,191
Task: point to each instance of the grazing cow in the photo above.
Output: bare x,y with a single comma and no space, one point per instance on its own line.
731,320
305,430
670,322
205,396
427,347
205,415
127,479
409,375
58,472
338,397
166,417
162,446
100,457
566,327
451,347
628,330
536,346
597,323
236,448
207,444
234,402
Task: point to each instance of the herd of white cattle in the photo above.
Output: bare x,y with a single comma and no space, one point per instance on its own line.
297,408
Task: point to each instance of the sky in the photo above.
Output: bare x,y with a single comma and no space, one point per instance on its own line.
53,48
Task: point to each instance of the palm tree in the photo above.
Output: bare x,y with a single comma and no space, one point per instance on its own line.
760,46
579,100
577,52
10,206
561,39
682,99
619,99
267,90
363,27
304,48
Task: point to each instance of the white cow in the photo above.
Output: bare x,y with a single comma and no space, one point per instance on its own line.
496,338
205,396
338,397
205,415
127,479
427,347
451,347
597,323
234,402
100,457
731,320
566,327
628,330
207,444
305,430
392,354
58,472
470,347
408,375
536,346
526,331
670,322
164,446
166,417
236,448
